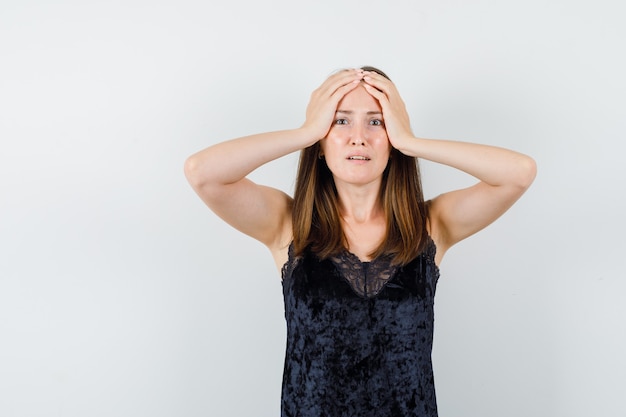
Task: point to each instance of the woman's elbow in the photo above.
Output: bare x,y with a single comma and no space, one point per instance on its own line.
527,171
193,172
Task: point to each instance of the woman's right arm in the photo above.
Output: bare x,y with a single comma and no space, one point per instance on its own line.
218,173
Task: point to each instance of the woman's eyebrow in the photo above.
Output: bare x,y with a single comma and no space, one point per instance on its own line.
352,112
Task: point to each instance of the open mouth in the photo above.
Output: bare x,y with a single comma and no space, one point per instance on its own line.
358,158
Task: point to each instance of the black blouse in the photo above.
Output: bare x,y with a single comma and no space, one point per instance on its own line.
359,336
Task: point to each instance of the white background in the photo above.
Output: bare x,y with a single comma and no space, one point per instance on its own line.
122,295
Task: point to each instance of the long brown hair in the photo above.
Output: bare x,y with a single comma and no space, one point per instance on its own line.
316,216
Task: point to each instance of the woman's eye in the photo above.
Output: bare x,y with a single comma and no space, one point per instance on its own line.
341,122
376,122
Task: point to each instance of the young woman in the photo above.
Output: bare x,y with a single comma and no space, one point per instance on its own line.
357,245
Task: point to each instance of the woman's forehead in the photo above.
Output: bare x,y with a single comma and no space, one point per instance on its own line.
358,100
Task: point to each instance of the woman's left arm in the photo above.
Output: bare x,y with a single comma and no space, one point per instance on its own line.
504,174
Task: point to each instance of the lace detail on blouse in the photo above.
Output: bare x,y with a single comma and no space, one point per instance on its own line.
290,265
367,279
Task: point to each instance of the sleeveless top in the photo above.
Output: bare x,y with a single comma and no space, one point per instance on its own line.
359,336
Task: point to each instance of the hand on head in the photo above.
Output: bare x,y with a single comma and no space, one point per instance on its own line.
396,118
324,100
322,106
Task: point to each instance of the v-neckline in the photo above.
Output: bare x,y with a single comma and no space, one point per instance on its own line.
366,278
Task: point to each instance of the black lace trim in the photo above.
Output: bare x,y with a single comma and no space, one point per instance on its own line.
290,265
367,279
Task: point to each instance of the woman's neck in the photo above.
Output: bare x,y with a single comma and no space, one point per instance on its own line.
360,204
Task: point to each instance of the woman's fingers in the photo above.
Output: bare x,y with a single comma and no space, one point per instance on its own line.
396,117
377,94
382,84
334,88
340,92
338,80
325,98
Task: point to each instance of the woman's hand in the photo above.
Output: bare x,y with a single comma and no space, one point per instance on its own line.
396,118
322,107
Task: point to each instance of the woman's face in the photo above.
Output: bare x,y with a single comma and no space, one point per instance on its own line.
357,148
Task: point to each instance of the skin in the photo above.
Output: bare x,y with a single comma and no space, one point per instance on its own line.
358,130
343,114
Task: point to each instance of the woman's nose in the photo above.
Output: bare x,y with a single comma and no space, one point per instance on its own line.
357,137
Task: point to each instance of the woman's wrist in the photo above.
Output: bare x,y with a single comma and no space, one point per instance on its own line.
308,136
409,145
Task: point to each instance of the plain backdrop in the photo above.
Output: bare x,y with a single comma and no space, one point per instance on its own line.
122,295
